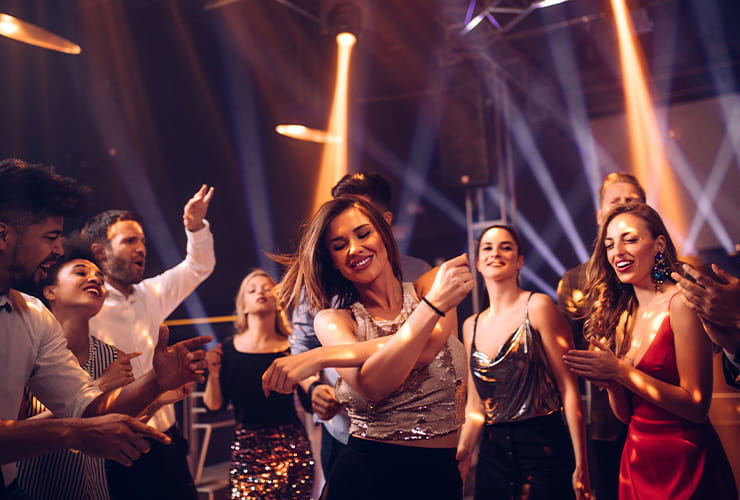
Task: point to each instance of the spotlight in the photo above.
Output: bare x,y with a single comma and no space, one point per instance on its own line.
303,133
343,16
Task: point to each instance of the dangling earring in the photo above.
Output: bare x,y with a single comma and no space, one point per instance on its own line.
660,271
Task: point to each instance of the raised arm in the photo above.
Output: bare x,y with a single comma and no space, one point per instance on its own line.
424,332
173,366
557,340
213,399
378,366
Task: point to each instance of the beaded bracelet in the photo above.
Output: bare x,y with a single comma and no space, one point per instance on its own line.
434,308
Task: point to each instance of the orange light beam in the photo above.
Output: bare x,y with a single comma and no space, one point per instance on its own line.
334,157
647,150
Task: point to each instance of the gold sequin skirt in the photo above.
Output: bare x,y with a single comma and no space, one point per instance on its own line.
271,464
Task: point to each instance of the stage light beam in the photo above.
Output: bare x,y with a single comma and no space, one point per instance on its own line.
647,148
334,157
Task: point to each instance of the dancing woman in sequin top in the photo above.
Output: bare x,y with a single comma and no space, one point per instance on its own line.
393,343
519,388
270,455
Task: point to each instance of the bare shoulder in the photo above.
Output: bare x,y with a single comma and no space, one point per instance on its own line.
335,326
327,316
541,303
682,317
544,314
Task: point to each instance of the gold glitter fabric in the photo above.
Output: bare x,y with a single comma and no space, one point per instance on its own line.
271,464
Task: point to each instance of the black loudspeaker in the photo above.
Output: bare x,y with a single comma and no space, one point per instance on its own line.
466,139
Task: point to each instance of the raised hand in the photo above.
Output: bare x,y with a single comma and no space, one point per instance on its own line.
196,208
180,363
213,358
114,436
452,283
715,301
118,373
599,365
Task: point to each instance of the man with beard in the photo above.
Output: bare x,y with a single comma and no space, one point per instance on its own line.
33,349
130,318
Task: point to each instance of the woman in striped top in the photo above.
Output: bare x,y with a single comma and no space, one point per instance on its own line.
75,294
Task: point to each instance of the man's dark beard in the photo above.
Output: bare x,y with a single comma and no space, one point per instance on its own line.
28,286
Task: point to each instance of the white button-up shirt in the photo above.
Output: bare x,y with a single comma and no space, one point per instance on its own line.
33,351
132,323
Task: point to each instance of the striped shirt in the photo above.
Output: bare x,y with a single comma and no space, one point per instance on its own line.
67,474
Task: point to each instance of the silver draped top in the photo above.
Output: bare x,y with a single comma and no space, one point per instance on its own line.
518,383
429,403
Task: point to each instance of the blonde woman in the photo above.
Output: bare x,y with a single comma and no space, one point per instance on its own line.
271,454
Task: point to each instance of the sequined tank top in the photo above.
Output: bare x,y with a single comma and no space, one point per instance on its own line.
429,403
518,383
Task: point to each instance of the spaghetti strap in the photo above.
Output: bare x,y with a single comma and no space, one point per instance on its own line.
475,327
526,311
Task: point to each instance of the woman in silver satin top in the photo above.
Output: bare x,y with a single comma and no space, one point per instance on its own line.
394,345
519,388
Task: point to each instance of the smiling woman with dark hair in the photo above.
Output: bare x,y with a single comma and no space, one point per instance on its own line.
521,397
74,293
394,345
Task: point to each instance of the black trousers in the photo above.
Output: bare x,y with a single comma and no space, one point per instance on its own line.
530,459
162,473
370,470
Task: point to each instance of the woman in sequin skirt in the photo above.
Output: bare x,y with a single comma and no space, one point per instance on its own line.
519,388
402,368
271,455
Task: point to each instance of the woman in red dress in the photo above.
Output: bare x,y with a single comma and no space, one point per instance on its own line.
649,351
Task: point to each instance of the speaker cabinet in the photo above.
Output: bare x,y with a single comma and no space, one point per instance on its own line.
466,139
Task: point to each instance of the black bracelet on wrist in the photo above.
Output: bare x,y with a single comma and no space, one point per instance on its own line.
311,387
434,308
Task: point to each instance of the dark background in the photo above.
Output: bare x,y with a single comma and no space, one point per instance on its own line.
167,95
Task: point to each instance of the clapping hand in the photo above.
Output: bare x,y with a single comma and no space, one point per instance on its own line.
599,365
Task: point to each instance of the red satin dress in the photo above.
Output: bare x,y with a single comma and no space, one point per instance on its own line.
666,456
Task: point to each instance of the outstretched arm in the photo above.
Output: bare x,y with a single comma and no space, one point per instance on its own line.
173,366
115,437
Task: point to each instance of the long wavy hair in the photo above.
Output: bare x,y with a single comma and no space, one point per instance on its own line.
611,304
311,272
282,324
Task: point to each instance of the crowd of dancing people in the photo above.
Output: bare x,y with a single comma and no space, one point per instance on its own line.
409,408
